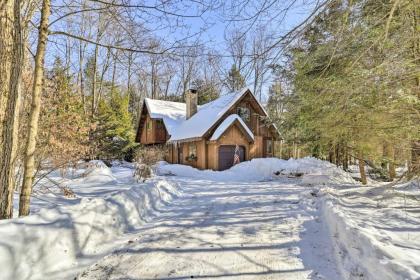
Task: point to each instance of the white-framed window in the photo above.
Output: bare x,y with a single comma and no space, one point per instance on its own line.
244,113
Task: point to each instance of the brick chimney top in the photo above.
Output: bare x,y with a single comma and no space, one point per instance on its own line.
191,100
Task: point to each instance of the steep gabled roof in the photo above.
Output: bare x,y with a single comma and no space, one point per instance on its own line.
228,122
172,113
206,116
204,121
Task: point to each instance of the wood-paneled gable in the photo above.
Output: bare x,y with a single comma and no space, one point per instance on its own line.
151,131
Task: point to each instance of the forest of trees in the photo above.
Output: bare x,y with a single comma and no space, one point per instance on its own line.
342,84
350,88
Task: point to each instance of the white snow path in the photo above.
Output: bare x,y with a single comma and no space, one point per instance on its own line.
216,230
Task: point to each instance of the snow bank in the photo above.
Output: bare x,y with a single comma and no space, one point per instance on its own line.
314,171
53,241
98,172
375,231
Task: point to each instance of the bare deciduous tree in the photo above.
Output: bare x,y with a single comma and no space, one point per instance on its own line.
11,66
29,164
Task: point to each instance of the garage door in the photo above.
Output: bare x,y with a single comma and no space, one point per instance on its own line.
226,153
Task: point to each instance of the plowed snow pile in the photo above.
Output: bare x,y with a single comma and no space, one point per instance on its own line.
98,172
54,241
315,171
376,230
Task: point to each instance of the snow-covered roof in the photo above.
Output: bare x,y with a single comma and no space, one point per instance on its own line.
206,116
172,113
227,123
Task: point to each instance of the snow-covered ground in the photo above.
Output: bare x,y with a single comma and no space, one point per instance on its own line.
263,230
376,230
263,219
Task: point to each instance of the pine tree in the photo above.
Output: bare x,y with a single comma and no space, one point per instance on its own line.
207,91
114,133
235,81
352,87
64,127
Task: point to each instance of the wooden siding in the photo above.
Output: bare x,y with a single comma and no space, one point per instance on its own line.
212,159
255,123
256,149
172,154
147,136
153,134
201,161
248,102
232,136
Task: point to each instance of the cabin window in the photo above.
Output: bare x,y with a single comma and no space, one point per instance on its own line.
159,124
149,124
244,113
192,152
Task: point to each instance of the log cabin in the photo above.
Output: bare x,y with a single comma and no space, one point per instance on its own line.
208,136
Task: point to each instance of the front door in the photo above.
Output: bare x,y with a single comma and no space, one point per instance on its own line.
226,156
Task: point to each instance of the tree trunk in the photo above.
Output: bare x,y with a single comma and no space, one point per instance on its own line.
6,55
130,62
12,53
113,74
333,155
362,168
338,155
68,56
80,76
101,81
281,149
390,156
95,59
415,158
29,164
130,99
414,165
346,159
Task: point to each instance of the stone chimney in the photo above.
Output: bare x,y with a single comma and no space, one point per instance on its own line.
191,98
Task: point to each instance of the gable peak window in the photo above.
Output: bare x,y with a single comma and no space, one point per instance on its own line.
244,113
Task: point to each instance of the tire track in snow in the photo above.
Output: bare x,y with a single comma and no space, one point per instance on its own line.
225,231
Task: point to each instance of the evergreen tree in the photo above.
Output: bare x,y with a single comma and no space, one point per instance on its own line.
352,88
235,81
114,133
207,91
63,136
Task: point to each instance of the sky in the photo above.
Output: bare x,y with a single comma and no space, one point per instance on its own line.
211,28
218,22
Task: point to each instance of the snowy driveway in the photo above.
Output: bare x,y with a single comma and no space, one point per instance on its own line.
260,230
